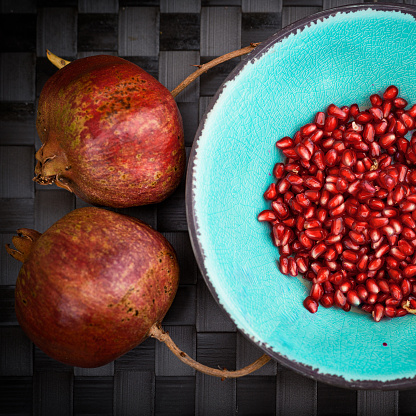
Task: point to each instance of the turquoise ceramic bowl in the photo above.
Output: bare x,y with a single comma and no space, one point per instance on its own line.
338,56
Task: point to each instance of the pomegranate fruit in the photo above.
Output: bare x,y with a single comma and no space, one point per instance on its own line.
92,285
111,133
343,207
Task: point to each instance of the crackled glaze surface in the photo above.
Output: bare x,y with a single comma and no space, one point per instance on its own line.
341,57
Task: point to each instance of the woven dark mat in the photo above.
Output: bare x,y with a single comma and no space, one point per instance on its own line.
166,38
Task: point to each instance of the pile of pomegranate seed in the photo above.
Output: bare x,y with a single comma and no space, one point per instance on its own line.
343,208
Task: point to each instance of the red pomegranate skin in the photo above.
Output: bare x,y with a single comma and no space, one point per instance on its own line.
111,133
92,286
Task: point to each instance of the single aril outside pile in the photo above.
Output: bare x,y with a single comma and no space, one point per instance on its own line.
343,207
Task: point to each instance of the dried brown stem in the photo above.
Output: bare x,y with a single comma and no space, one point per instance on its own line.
203,68
157,332
56,60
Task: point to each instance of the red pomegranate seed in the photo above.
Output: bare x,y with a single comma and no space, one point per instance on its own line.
378,312
322,275
406,287
320,119
267,215
376,100
339,298
400,102
335,111
387,140
308,129
407,206
303,200
339,210
331,123
376,113
284,265
285,143
357,238
386,107
372,286
278,170
318,250
363,117
362,263
397,254
408,121
382,251
283,186
331,157
303,152
317,233
390,311
395,274
362,292
327,300
390,93
396,292
353,298
310,304
293,268
336,201
270,193
409,271
378,222
401,312
405,247
317,291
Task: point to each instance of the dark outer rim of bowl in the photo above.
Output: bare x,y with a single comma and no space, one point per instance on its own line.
305,370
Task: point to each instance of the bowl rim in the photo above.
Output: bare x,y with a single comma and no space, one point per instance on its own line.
303,369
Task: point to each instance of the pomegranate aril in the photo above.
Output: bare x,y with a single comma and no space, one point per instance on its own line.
378,222
409,271
293,268
327,300
362,292
330,124
406,287
284,265
401,312
408,233
376,100
331,157
322,275
318,250
317,233
396,292
302,151
372,286
285,143
378,312
407,206
310,304
349,158
391,92
363,117
390,311
405,247
353,298
397,254
320,119
317,291
408,121
339,298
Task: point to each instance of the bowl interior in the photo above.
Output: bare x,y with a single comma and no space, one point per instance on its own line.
342,57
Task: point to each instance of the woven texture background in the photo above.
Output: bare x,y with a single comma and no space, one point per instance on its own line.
165,37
